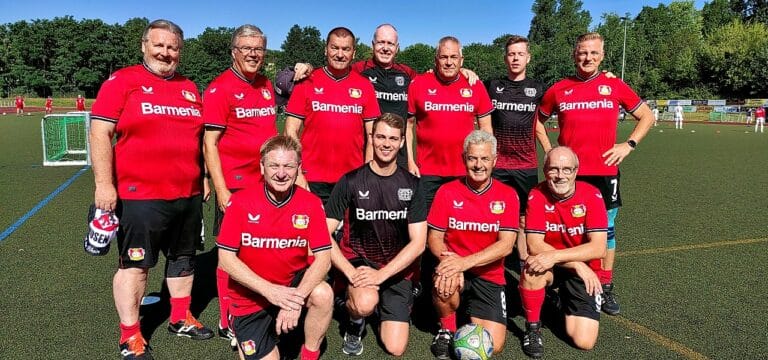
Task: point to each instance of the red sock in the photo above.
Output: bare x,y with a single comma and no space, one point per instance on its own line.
126,331
532,302
449,322
222,287
605,276
309,355
179,308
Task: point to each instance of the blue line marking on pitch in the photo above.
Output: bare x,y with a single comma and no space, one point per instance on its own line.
42,203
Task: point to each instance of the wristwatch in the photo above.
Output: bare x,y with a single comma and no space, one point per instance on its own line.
632,143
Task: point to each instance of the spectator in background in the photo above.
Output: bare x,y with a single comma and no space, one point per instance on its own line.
48,105
678,117
759,118
80,103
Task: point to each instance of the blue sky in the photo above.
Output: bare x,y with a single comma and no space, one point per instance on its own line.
417,21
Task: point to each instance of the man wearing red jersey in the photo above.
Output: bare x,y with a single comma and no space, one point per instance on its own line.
567,232
49,105
588,106
152,180
760,118
19,105
80,103
443,107
472,227
333,103
274,244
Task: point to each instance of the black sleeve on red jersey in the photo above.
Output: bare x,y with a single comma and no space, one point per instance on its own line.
338,202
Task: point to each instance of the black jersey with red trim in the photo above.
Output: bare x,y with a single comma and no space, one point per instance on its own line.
514,121
378,212
391,85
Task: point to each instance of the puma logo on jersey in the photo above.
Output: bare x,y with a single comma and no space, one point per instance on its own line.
254,219
239,96
146,90
363,194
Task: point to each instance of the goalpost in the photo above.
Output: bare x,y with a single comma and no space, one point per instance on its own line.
65,139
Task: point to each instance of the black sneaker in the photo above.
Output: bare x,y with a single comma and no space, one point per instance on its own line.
533,345
190,328
610,303
135,348
442,344
353,339
225,333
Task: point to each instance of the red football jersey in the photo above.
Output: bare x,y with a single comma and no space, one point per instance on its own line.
19,102
587,114
445,114
334,112
245,112
48,103
272,239
472,220
158,154
566,223
760,112
80,102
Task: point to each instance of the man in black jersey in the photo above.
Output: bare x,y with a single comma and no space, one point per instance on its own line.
377,259
514,123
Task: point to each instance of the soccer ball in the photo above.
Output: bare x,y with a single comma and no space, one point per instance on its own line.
472,342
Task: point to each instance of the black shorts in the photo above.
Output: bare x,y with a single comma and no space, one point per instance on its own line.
150,226
574,297
255,333
523,180
395,296
425,194
484,299
218,215
322,190
609,187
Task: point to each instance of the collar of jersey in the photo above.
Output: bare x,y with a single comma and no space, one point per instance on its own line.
440,80
563,199
478,192
239,75
279,203
327,72
146,67
589,78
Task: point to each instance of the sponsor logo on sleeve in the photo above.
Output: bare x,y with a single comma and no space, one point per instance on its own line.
136,254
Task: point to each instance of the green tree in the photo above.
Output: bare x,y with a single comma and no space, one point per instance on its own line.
734,57
418,56
751,10
554,27
302,45
716,14
485,60
206,56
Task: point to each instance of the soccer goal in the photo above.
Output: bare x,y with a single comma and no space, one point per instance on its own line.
65,139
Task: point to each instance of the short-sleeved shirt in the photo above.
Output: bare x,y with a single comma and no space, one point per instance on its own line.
273,239
19,103
48,103
473,219
158,122
587,114
445,114
334,112
566,223
80,103
378,212
514,121
245,113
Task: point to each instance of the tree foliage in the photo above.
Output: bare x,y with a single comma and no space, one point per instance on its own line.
734,58
302,45
418,56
